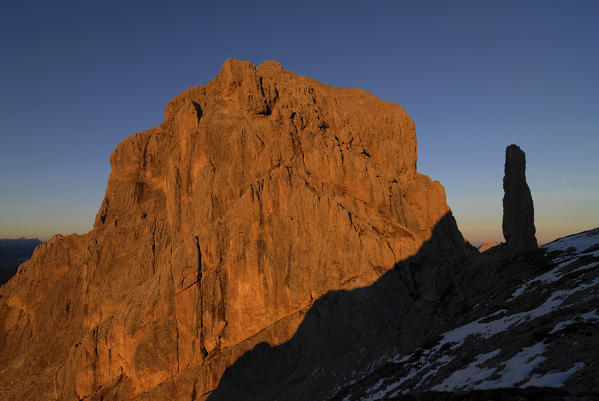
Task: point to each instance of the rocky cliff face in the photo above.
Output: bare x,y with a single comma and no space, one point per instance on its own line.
221,228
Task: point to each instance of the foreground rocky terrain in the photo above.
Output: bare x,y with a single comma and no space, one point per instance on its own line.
537,328
272,239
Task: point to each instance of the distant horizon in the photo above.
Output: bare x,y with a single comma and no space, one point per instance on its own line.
474,235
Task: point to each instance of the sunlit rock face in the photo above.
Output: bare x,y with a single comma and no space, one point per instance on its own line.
220,228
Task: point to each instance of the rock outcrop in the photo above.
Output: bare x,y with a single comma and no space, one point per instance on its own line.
518,211
220,230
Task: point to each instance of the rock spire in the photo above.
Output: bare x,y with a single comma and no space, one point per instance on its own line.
518,210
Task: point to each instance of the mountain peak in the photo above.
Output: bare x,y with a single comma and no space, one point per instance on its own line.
260,193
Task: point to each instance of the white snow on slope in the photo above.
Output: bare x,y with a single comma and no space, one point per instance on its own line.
382,393
588,266
521,290
591,316
561,326
488,329
516,372
553,379
548,277
492,370
465,378
517,369
552,276
444,360
580,242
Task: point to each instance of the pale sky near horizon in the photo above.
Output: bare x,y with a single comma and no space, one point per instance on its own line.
77,78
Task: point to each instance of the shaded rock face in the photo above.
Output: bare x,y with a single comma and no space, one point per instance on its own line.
261,192
518,211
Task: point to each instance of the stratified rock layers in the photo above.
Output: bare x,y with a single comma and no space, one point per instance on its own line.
518,211
220,228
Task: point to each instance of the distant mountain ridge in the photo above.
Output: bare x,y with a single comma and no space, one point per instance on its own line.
13,252
19,242
487,244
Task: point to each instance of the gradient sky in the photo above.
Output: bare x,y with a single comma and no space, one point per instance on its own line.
78,77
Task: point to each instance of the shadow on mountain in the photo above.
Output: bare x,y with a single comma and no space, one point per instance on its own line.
343,329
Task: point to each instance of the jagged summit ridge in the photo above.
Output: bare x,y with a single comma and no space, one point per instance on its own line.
261,192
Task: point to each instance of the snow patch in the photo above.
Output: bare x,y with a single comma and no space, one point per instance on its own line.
554,379
587,267
489,329
585,317
551,276
517,369
519,291
466,378
561,326
444,360
580,242
592,315
423,368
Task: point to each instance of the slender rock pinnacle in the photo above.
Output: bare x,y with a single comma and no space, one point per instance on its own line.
518,210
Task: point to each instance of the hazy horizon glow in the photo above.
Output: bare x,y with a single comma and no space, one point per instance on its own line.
77,78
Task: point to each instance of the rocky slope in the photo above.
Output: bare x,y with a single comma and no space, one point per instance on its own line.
267,211
534,322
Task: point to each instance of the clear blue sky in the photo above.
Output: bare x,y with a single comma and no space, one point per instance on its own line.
78,77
